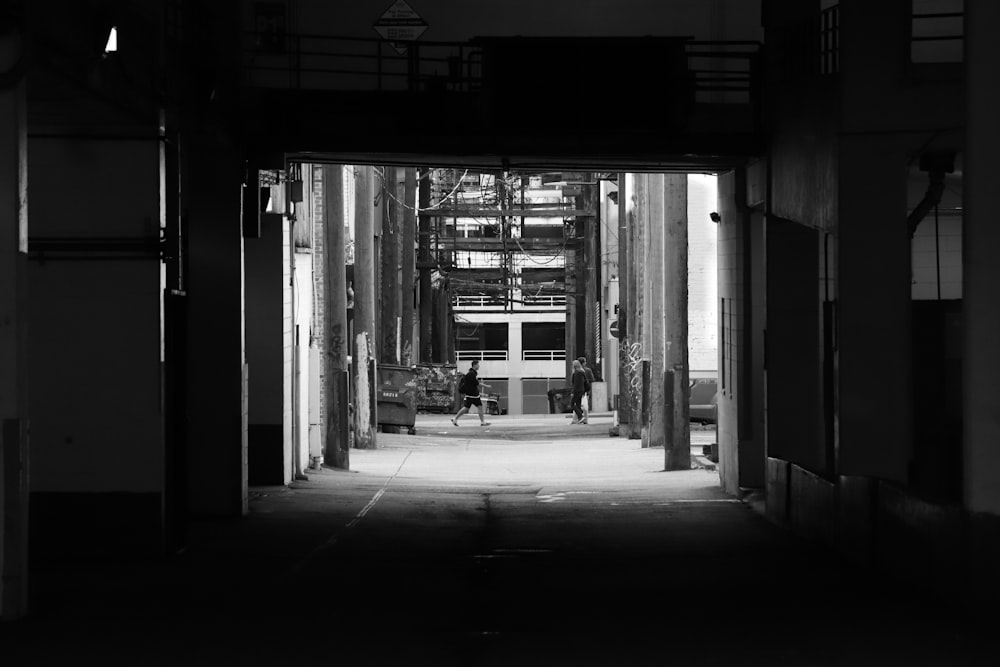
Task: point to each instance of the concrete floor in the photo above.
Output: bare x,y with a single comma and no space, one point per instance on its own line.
529,542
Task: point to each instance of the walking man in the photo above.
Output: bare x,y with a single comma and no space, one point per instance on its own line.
579,383
469,386
590,395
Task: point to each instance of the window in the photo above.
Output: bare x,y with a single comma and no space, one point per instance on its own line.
543,341
937,31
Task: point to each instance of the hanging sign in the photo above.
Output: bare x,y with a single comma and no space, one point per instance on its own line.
400,24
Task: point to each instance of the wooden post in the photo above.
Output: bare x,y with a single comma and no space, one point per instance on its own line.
624,402
407,257
591,277
675,300
655,435
389,296
634,348
572,288
336,452
640,349
364,307
424,264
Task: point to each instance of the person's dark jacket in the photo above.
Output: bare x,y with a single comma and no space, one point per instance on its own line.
579,381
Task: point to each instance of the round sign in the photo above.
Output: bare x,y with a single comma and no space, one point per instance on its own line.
613,328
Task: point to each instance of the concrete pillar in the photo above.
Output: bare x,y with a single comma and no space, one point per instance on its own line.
592,277
675,306
425,263
574,283
794,402
216,375
13,322
653,316
981,270
741,298
365,290
874,327
624,271
389,248
408,264
264,266
515,350
632,356
336,451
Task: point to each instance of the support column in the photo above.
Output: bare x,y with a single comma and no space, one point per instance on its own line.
573,297
216,372
364,309
655,434
425,264
336,452
13,348
641,353
624,271
675,307
874,328
408,355
591,276
633,352
389,296
981,271
793,347
268,454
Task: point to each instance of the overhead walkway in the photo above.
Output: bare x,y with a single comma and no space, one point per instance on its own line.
623,103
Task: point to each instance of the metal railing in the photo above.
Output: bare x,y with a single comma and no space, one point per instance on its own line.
477,300
543,355
544,300
481,355
329,62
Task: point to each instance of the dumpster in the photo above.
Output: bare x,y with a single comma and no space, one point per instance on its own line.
397,398
560,400
436,387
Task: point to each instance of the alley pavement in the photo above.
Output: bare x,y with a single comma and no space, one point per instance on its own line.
530,541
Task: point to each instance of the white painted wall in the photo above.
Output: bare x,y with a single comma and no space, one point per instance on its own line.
94,335
303,319
703,302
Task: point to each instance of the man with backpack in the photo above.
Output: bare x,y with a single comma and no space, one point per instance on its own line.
469,387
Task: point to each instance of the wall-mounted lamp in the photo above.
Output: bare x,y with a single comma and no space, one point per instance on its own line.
613,196
111,46
715,217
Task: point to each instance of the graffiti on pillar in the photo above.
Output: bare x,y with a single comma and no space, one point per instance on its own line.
337,342
597,337
631,361
362,404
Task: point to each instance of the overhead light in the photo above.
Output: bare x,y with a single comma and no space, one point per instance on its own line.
111,46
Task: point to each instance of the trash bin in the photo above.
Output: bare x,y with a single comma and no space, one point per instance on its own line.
560,400
397,398
435,385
